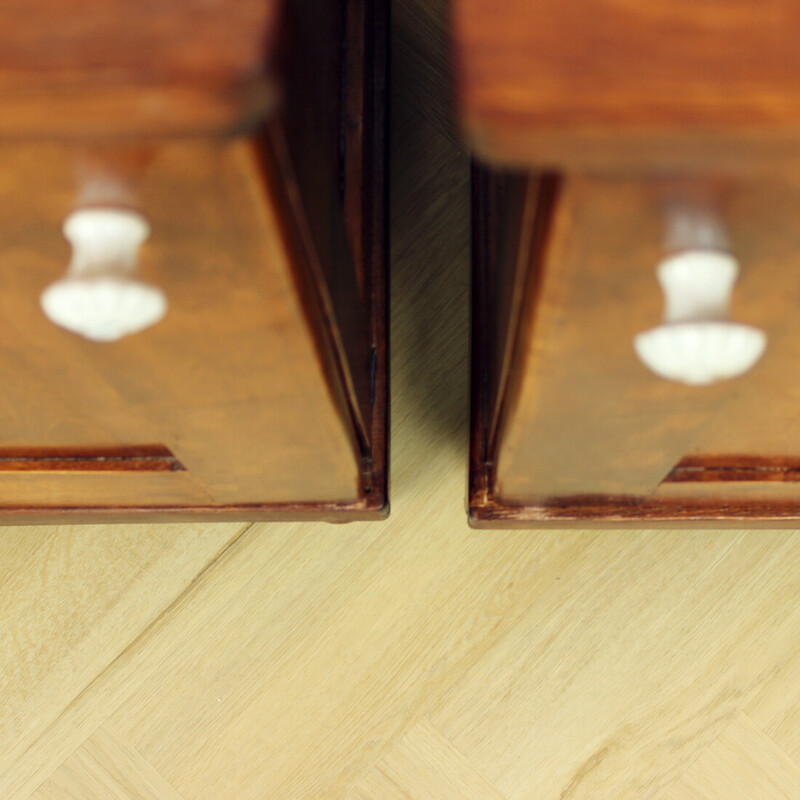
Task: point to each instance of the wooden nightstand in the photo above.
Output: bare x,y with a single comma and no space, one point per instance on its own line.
640,161
221,172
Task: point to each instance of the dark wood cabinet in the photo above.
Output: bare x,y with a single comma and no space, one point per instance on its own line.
248,139
624,147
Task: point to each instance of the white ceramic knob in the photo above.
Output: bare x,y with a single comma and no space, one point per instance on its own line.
100,297
697,344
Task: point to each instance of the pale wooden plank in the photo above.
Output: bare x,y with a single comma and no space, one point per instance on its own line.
74,598
742,764
106,767
327,645
377,786
681,792
775,708
631,665
428,767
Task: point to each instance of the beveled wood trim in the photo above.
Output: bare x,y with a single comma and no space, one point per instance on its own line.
613,512
247,512
735,469
131,458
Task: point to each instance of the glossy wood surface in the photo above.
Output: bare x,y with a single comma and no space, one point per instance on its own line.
128,68
228,381
266,382
623,84
578,422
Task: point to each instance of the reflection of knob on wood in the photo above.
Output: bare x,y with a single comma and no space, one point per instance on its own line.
100,297
697,344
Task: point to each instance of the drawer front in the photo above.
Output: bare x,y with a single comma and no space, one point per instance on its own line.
231,382
577,418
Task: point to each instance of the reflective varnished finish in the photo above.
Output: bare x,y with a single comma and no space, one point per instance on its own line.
266,380
590,118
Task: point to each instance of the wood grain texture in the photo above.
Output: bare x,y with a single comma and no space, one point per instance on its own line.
306,657
73,601
124,69
743,763
269,372
579,429
202,382
106,764
425,765
619,84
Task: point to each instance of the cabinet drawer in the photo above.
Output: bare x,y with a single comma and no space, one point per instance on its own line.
261,391
569,422
635,260
233,363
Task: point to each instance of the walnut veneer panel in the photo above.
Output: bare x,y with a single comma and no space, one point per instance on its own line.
125,67
263,391
577,421
620,83
231,381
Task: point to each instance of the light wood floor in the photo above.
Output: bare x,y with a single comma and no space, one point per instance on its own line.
411,659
